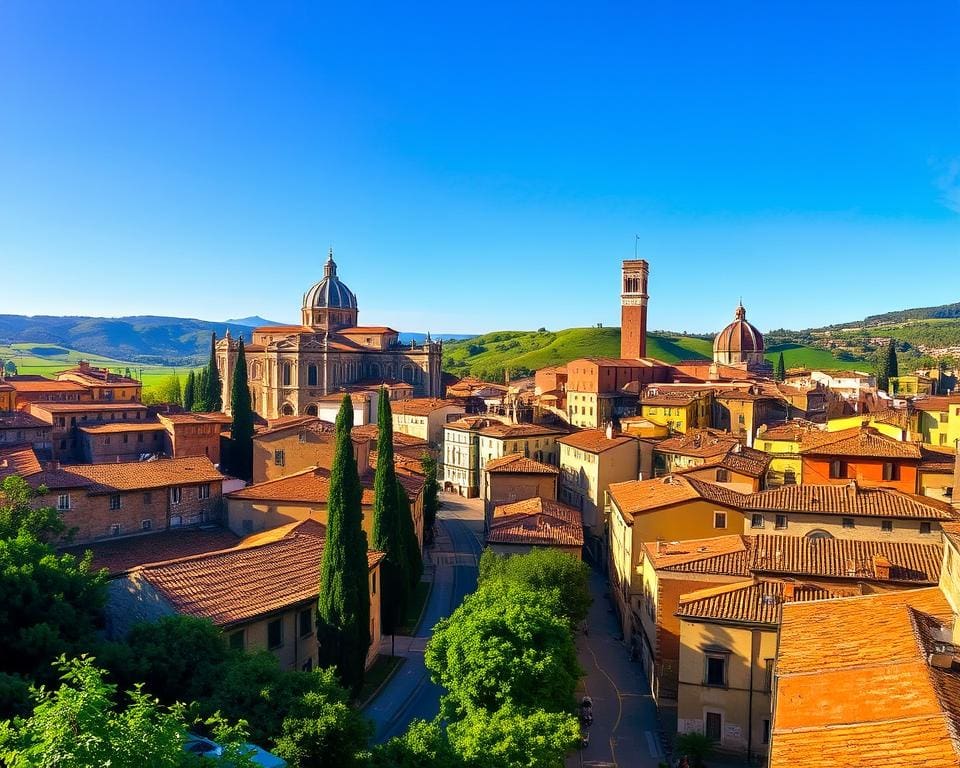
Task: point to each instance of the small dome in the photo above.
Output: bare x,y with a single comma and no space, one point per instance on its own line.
330,293
738,337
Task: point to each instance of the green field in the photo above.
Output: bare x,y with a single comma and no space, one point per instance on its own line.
49,359
523,352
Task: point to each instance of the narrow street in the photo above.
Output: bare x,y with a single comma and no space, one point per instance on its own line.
410,694
624,730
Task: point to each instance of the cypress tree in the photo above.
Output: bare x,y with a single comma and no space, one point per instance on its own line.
887,366
200,392
189,389
343,615
411,545
893,367
214,398
241,430
176,392
781,373
386,533
431,501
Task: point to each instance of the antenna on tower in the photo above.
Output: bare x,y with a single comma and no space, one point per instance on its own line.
636,246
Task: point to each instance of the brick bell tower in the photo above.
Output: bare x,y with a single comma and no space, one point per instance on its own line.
633,309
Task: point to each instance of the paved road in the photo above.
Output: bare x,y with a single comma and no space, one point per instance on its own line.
624,730
453,563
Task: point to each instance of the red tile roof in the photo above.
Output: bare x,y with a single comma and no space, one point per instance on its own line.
296,423
21,420
511,431
849,499
237,585
18,460
111,477
939,403
421,406
750,602
858,442
518,463
536,522
312,486
720,555
46,385
400,439
88,406
122,426
635,497
699,443
595,440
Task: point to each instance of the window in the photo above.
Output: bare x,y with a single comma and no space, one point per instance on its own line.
139,437
789,477
891,471
278,457
712,725
886,526
275,633
766,731
373,583
114,501
146,525
719,519
848,522
838,469
63,501
176,494
716,671
756,520
306,622
944,417
723,476
236,641
203,491
307,666
126,438
106,440
286,372
311,375
925,528
115,529
768,668
147,497
781,522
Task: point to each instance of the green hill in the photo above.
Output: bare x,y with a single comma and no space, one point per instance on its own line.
523,352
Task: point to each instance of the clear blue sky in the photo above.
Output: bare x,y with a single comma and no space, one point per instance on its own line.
480,166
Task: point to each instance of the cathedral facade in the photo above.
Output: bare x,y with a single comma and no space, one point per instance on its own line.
292,368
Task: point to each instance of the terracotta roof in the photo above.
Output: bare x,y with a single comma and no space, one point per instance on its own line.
21,420
907,562
297,423
938,459
858,442
750,602
196,418
420,406
518,463
740,459
595,440
18,460
122,554
507,431
536,521
240,584
88,406
283,329
849,499
670,399
361,329
312,486
791,432
638,496
98,377
699,443
400,439
939,403
46,385
122,426
469,423
111,477
855,684
721,555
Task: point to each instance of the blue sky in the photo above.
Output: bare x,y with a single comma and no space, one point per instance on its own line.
480,166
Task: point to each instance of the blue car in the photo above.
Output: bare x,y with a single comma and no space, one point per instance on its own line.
203,747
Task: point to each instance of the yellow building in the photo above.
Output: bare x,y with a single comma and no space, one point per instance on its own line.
239,590
679,411
912,384
783,443
641,427
937,420
891,422
590,461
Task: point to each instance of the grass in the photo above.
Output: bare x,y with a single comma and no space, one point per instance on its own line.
418,600
382,668
525,351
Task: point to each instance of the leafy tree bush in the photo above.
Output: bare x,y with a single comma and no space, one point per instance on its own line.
695,746
512,739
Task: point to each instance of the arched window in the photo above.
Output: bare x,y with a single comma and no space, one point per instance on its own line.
819,533
286,374
255,370
286,410
311,409
311,375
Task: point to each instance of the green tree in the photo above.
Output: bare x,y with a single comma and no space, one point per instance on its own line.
408,535
887,366
10,368
508,738
189,391
200,404
503,646
50,604
695,746
80,724
423,745
214,397
386,532
241,430
781,373
431,495
565,578
18,513
344,605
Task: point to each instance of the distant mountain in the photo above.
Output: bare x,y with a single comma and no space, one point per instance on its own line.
254,321
419,338
940,312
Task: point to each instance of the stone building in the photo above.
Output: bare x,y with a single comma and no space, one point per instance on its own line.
291,368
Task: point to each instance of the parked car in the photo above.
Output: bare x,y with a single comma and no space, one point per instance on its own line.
198,745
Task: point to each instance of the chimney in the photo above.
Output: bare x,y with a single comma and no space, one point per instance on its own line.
788,591
881,567
609,430
659,545
852,490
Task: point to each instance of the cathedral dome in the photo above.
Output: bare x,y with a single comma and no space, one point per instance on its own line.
738,338
329,293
